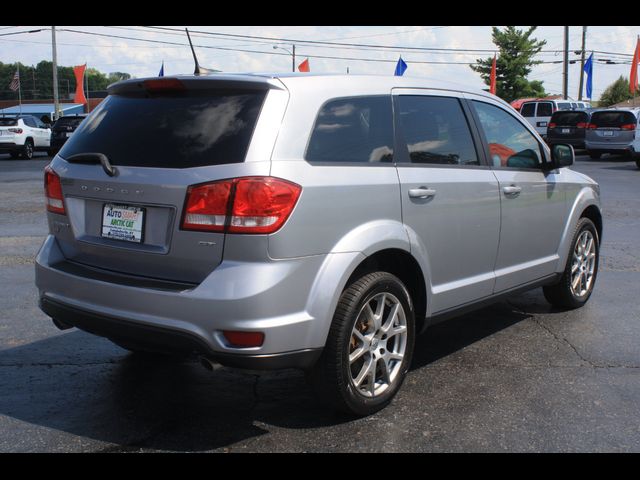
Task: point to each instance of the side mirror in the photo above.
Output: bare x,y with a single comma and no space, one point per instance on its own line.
562,155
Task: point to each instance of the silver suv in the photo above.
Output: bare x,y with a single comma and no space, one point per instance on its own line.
315,222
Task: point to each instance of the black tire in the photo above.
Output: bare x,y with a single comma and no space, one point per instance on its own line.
561,294
332,377
27,149
595,155
638,162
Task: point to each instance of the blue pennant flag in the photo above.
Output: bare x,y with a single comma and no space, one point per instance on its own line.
161,74
588,69
401,67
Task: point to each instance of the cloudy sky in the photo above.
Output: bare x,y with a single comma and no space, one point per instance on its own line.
135,50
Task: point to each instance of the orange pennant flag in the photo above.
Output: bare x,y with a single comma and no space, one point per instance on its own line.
633,76
79,73
492,85
304,66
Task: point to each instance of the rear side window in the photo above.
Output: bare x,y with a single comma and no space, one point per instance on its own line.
569,118
29,122
612,119
357,129
545,109
528,110
180,131
436,131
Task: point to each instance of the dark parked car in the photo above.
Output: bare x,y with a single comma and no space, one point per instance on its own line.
62,130
568,126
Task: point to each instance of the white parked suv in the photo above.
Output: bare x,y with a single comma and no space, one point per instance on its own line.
22,135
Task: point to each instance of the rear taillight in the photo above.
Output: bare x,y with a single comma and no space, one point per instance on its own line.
53,191
582,125
592,126
628,126
552,125
240,205
16,130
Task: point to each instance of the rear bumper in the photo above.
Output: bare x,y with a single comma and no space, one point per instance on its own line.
9,147
173,340
269,297
607,147
577,143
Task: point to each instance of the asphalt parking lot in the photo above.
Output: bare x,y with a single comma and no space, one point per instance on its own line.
517,376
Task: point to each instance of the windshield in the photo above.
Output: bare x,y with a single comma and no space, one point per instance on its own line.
170,131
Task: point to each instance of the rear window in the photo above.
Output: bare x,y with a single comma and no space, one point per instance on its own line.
544,110
68,122
8,122
612,119
528,110
180,131
569,118
565,106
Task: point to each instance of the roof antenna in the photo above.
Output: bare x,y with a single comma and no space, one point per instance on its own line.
198,70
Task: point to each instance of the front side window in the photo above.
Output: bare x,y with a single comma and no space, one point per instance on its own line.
353,130
510,143
436,131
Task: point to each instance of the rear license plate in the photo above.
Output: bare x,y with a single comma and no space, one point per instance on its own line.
566,130
608,133
123,222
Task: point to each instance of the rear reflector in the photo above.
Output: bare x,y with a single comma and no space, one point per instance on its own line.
250,205
53,191
244,339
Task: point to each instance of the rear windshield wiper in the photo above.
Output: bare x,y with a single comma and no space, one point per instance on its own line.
92,157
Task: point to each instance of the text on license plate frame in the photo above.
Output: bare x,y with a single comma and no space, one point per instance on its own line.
121,232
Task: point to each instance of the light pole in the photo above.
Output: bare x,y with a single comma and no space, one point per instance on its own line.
292,53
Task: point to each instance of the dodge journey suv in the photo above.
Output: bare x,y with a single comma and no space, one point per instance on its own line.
304,221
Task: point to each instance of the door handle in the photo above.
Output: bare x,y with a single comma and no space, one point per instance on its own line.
422,192
513,190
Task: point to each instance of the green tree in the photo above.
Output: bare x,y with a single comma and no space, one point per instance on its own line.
516,50
617,92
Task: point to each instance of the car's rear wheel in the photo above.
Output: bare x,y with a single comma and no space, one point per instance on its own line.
369,347
27,150
638,162
579,277
595,155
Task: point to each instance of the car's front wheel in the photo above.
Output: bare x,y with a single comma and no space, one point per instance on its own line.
369,347
579,277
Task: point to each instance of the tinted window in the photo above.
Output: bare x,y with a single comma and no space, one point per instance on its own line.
528,110
66,122
8,122
436,131
180,131
510,143
357,129
569,118
612,119
544,109
574,105
564,106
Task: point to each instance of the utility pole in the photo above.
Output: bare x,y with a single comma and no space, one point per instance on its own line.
582,53
56,101
293,59
565,72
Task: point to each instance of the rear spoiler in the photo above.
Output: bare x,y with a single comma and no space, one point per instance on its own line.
210,82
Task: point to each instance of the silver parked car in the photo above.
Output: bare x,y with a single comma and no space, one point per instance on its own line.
308,221
614,131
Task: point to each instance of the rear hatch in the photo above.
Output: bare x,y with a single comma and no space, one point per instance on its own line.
568,124
160,136
615,127
8,129
65,127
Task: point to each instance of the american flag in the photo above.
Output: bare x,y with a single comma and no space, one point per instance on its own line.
15,83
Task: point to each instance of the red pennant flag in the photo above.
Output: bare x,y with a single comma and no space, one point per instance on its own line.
304,66
79,73
492,85
633,76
